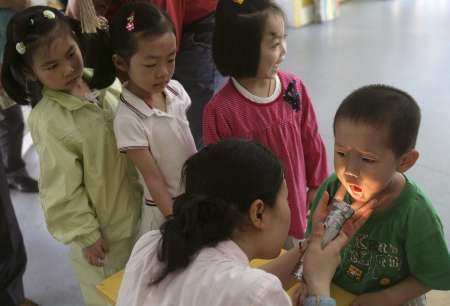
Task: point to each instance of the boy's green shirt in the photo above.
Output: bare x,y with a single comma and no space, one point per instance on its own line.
405,240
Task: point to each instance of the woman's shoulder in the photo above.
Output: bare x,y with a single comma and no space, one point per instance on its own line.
146,244
261,287
143,259
223,267
141,268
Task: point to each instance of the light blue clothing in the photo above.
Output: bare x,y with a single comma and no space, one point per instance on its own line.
319,301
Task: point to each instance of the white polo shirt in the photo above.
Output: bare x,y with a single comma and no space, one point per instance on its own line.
166,134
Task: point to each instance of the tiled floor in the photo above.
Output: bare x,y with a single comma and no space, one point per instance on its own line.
402,43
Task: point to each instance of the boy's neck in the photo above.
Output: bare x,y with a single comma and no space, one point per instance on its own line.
392,191
260,87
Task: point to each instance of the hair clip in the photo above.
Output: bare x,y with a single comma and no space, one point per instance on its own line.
20,48
238,1
130,23
103,23
292,97
49,14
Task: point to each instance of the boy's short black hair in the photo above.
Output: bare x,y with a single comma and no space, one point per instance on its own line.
238,33
384,106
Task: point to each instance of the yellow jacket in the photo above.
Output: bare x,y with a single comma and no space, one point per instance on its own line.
88,189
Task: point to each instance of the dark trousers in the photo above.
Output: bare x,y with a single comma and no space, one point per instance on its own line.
12,250
196,71
11,134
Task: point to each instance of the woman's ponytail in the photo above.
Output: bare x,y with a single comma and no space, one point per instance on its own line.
198,222
221,181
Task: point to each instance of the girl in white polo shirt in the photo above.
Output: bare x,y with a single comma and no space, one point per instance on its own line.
151,124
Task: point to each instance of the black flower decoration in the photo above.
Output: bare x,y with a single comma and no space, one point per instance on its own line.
292,97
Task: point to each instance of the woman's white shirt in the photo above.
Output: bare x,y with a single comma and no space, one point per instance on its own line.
218,276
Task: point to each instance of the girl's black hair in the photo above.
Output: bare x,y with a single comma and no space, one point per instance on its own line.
238,33
221,182
32,28
132,21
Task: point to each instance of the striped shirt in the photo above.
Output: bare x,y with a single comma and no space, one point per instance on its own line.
291,135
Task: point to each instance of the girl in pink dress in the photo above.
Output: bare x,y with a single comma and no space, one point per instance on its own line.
262,103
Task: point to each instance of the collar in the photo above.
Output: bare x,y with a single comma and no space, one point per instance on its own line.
260,100
67,100
230,249
142,109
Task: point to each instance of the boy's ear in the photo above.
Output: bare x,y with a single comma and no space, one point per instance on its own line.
120,63
407,160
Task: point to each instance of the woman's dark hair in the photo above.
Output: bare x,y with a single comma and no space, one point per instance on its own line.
221,182
238,33
32,28
132,22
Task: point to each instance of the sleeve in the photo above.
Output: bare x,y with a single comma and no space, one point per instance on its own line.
129,133
427,252
319,301
313,147
183,95
268,291
68,212
215,126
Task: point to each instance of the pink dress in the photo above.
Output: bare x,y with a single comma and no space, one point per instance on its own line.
291,135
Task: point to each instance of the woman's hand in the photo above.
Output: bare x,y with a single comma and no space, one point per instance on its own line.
320,264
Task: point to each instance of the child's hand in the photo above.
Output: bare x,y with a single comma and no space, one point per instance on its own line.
95,254
371,299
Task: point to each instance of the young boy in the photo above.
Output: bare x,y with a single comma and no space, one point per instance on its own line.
400,253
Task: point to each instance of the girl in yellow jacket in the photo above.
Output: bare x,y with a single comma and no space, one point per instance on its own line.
89,191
